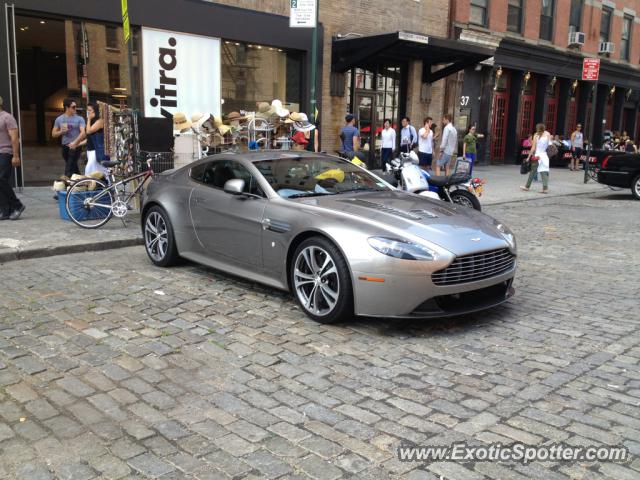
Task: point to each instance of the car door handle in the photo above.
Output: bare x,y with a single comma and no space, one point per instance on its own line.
266,223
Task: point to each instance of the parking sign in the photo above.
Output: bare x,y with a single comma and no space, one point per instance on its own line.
591,69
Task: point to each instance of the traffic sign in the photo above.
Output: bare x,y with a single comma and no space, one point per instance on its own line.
303,13
591,69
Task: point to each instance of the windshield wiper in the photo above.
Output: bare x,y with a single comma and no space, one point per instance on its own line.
310,194
362,189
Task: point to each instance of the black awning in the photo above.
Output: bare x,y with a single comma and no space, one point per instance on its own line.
401,47
520,55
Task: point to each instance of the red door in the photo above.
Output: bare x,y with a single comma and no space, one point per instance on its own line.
526,111
587,119
499,125
552,111
609,114
572,113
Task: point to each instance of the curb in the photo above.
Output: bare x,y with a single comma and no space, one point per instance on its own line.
66,249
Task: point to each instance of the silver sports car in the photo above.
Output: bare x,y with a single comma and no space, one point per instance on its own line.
341,239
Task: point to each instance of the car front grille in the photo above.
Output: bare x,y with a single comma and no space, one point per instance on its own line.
478,266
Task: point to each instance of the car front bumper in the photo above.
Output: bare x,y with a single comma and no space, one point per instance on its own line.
416,296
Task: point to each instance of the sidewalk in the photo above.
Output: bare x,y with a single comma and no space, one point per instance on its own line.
503,184
40,232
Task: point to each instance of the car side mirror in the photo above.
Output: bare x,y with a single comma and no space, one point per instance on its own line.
234,186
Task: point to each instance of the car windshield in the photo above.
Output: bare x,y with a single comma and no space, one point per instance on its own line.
309,176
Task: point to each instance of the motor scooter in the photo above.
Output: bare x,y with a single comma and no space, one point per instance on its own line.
459,188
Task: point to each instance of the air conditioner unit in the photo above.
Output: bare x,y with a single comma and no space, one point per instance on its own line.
576,38
607,47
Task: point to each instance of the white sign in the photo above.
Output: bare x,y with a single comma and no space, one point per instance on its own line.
181,73
413,37
303,13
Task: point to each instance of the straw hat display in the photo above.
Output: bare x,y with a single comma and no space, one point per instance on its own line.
180,122
279,109
301,123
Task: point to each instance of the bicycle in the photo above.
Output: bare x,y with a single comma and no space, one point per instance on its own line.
92,203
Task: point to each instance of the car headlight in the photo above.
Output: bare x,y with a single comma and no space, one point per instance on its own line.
506,233
402,249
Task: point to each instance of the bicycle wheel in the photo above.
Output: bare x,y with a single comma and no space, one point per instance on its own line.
89,203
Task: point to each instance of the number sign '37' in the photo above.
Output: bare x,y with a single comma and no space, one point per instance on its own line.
303,14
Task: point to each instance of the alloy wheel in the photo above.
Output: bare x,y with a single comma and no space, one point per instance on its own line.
636,187
316,280
155,236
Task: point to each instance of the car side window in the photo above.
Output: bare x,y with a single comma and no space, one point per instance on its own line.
216,173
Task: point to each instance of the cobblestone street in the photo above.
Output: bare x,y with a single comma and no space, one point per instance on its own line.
113,368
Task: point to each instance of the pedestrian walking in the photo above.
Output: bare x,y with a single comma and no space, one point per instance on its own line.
425,144
408,136
539,158
448,145
577,144
469,148
388,142
10,207
349,135
68,127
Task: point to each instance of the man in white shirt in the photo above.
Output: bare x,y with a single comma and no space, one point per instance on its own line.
408,136
388,142
448,146
425,144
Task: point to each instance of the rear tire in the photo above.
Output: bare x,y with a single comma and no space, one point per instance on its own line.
465,198
159,240
635,187
89,216
320,281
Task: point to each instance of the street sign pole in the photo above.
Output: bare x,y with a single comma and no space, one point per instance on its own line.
126,34
314,67
304,14
592,122
591,73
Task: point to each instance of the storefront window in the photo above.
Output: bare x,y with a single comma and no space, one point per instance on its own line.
86,61
258,73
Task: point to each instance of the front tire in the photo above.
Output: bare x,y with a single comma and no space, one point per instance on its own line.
159,240
635,187
320,281
465,198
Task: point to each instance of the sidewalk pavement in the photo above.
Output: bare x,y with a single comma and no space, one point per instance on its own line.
503,184
40,232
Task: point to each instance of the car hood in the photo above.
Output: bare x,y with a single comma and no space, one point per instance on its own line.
458,229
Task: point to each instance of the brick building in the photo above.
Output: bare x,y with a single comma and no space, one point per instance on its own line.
379,60
535,74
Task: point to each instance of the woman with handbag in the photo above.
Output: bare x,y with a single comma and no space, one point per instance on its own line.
539,158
